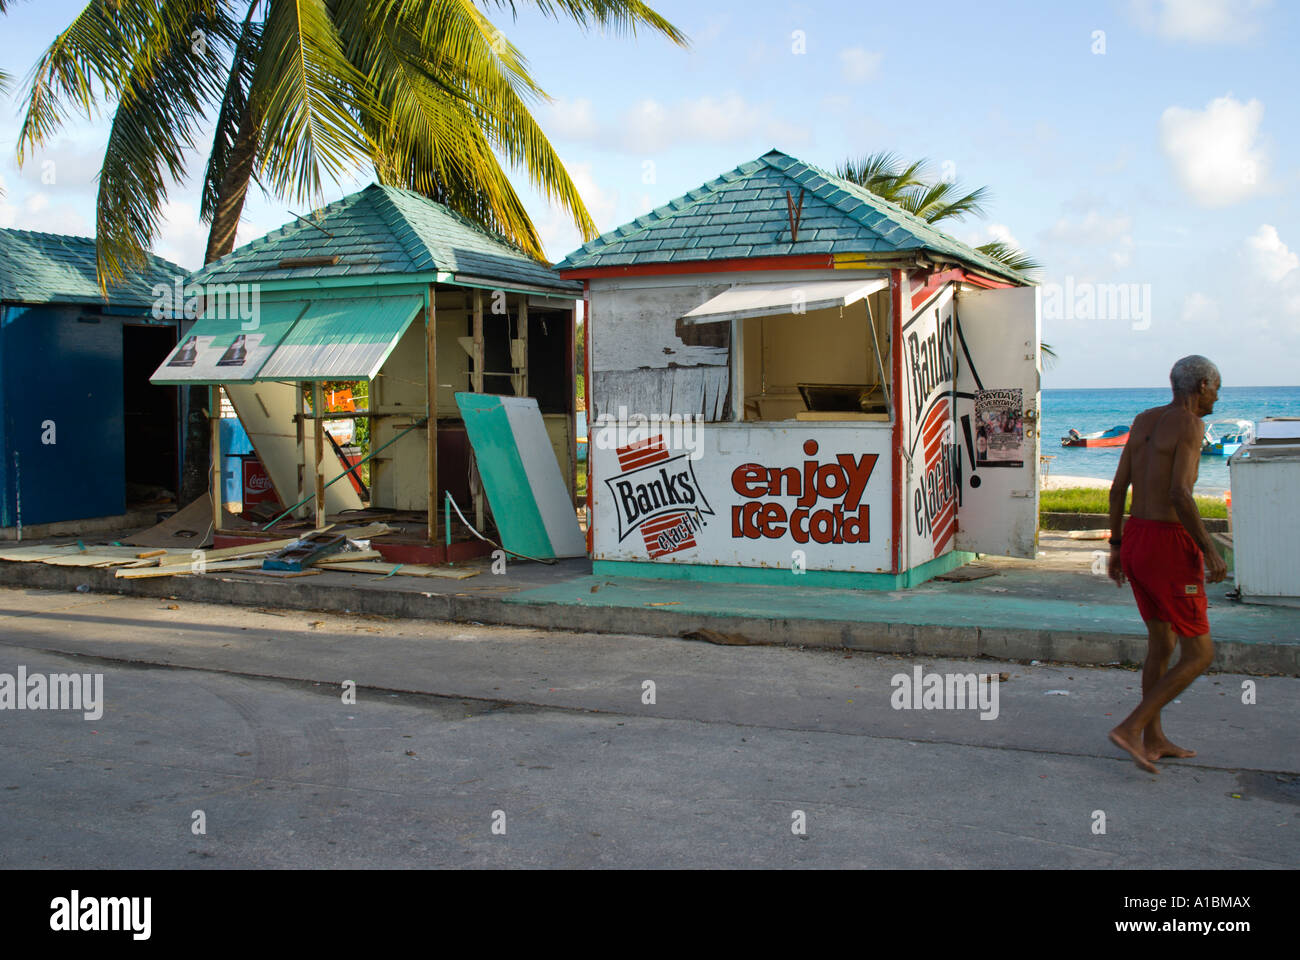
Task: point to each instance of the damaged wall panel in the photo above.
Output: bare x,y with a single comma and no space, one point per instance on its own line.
646,361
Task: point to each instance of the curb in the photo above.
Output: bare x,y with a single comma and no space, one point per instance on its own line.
931,640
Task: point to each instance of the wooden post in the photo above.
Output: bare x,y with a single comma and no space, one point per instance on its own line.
318,413
477,380
302,449
521,379
214,424
431,426
476,489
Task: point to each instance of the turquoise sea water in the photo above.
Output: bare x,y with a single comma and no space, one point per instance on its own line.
1089,410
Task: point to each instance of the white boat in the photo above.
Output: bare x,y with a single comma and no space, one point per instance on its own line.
1223,438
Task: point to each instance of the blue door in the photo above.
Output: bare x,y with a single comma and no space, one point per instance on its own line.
61,375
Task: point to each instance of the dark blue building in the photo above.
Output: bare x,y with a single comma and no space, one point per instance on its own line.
83,432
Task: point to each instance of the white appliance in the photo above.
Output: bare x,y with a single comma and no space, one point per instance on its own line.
1265,479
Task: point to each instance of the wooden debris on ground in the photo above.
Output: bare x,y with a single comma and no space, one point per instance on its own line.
969,571
191,526
38,553
384,569
177,569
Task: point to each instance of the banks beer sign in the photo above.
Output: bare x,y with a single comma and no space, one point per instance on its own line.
716,510
658,495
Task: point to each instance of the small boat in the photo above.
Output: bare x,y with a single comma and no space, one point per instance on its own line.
1114,437
1223,438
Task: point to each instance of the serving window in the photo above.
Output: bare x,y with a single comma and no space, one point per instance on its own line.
828,364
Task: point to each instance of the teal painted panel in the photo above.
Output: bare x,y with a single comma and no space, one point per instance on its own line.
505,481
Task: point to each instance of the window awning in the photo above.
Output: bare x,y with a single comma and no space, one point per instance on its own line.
330,339
773,299
227,347
342,339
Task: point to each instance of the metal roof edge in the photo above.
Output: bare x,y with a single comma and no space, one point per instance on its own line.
484,283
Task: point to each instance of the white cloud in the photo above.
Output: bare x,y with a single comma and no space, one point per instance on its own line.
1272,259
1201,21
571,119
649,125
558,234
1215,152
182,237
1275,268
858,65
39,213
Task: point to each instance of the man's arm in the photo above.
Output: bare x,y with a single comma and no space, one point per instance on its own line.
1118,494
1187,457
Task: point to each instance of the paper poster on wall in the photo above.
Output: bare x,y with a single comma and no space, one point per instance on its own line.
1000,428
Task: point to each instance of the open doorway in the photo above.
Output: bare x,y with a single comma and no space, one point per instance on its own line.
150,417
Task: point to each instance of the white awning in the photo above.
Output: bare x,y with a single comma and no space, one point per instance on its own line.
773,299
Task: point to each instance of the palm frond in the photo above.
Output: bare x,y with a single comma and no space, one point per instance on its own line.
309,97
161,102
440,97
616,16
943,200
90,57
1010,256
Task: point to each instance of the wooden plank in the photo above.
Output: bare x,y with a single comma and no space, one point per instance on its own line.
318,410
351,557
227,553
181,570
431,393
93,556
36,553
367,532
216,483
404,570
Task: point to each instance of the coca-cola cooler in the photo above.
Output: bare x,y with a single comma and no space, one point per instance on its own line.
257,484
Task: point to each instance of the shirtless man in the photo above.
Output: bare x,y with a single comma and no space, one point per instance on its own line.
1165,552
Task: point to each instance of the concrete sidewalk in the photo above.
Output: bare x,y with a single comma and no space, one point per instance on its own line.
1051,609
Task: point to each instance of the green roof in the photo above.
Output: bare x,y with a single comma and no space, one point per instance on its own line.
744,213
54,268
380,231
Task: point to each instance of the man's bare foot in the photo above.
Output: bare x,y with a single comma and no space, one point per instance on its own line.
1132,748
1156,749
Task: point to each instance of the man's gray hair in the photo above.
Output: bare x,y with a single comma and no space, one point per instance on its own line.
1187,374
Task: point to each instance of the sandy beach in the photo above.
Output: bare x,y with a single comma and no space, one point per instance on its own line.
1059,481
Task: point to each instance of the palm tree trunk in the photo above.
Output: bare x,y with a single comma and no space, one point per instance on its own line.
197,467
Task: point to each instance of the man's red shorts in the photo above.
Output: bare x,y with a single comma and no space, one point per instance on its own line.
1167,571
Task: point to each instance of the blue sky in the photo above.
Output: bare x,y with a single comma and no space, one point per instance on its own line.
1149,143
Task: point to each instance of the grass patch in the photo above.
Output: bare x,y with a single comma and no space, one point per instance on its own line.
1097,500
582,480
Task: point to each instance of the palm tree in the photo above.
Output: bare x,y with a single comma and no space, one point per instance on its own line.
427,92
908,185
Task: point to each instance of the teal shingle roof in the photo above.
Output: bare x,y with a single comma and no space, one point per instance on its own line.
379,231
743,213
54,268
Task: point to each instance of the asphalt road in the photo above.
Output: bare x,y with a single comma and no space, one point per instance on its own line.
546,737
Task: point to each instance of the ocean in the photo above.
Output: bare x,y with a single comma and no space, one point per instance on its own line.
1090,410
